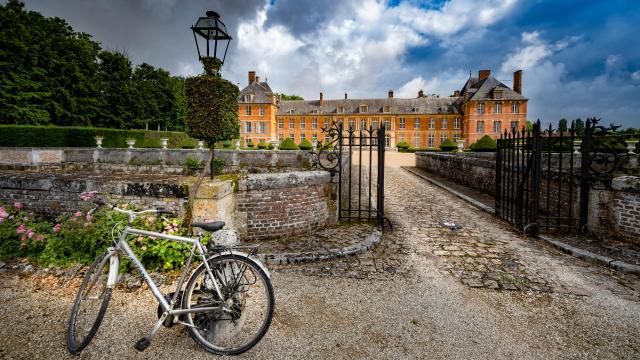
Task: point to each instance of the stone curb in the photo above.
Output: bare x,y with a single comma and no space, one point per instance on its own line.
473,201
579,253
324,254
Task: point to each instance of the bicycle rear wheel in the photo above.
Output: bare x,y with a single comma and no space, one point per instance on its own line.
89,307
248,300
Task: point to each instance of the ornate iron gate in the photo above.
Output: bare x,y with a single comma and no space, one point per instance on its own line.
355,159
543,177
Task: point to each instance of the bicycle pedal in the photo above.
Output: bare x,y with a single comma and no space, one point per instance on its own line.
142,344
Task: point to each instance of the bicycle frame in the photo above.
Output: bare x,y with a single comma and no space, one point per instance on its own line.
123,247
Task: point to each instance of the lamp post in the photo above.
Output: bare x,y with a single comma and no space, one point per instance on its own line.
211,28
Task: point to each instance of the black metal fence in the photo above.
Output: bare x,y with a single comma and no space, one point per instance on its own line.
543,177
356,160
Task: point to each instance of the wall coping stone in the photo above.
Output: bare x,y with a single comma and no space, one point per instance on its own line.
283,180
626,183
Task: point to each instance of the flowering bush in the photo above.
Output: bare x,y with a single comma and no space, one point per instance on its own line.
80,236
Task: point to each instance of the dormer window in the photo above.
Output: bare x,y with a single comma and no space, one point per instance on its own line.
415,109
364,108
497,93
314,111
246,98
386,109
291,112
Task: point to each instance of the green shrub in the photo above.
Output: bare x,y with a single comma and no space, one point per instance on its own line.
188,144
192,165
270,146
484,144
74,136
218,164
250,144
327,146
402,145
262,145
288,144
305,145
448,145
227,144
414,149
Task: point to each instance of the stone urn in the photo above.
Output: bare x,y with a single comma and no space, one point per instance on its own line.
275,144
237,144
577,144
631,146
165,143
460,145
131,142
200,145
99,141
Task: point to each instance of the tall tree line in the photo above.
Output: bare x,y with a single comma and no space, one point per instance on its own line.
52,75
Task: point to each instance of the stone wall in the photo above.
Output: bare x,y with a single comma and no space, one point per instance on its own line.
148,161
258,206
626,204
276,205
475,170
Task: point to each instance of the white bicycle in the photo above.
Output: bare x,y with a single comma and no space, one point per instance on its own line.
227,304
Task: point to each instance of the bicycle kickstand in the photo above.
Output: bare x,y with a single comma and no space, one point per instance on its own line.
143,344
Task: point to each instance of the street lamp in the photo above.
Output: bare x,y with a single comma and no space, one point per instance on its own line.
210,28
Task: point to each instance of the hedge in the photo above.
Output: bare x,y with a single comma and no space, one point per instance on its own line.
305,145
448,145
75,136
288,144
484,144
403,145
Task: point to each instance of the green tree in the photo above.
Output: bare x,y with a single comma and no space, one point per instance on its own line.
529,126
579,126
115,73
290,97
562,125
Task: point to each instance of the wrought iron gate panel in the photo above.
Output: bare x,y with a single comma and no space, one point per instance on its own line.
360,188
539,182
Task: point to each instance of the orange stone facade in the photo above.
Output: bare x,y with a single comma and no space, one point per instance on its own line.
466,115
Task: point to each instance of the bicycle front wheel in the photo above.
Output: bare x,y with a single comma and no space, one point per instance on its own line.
242,316
90,306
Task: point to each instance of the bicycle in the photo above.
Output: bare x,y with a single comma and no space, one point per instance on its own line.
228,293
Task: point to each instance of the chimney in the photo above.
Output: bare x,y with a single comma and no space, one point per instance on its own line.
456,93
420,93
517,82
257,79
321,99
345,95
252,77
390,94
483,74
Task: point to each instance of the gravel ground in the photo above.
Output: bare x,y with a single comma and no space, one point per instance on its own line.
423,312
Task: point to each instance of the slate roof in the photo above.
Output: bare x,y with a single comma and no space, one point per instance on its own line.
483,89
423,105
261,91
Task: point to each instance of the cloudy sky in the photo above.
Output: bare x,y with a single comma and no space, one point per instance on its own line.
580,58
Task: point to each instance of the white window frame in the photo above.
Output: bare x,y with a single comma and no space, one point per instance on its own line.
516,123
303,124
280,124
515,108
416,123
402,123
314,123
416,140
292,123
431,141
497,108
480,108
432,123
444,123
261,111
456,123
248,127
261,127
364,108
480,129
247,110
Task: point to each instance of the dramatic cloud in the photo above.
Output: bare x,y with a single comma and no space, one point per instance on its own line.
579,58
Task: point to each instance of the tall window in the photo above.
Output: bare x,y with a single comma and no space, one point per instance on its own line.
302,136
246,98
314,137
498,108
363,124
514,124
443,137
497,126
515,108
326,139
374,124
248,127
314,123
456,137
363,108
387,140
444,123
261,111
480,108
292,136
292,123
352,123
432,123
303,124
262,127
432,141
416,123
280,124
402,123
416,140
456,123
326,123
480,127
247,110
340,110
387,124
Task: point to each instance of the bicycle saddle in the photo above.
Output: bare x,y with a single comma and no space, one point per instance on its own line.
209,226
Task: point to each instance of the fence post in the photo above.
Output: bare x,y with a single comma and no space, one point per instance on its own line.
584,176
535,172
498,176
380,194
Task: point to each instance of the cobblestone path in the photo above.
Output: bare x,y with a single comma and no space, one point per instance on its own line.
485,252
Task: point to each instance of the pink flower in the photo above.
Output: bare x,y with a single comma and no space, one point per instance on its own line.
40,237
88,217
3,213
88,195
56,228
78,213
21,229
17,205
30,233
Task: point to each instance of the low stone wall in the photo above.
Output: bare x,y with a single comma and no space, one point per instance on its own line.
258,206
626,204
475,170
148,161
